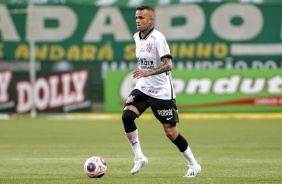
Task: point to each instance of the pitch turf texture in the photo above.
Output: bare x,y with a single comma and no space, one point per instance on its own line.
51,150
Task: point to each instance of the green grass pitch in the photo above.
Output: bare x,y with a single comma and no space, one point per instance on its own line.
43,150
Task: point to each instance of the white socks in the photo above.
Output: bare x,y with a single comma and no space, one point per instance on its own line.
189,156
135,145
134,142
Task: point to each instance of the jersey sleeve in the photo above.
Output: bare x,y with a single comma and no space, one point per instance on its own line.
162,47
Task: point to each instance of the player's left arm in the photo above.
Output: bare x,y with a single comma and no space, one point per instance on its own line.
164,67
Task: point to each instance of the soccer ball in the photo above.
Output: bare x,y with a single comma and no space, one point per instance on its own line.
95,167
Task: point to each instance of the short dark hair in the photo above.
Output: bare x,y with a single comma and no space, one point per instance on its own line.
145,8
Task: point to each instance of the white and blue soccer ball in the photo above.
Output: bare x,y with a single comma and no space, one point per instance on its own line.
95,167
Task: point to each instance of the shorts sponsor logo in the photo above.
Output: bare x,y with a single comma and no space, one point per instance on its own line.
165,112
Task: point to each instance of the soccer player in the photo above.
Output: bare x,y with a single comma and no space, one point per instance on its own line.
153,89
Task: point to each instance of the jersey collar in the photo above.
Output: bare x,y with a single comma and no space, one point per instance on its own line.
147,35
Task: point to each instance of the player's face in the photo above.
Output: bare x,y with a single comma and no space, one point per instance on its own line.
143,19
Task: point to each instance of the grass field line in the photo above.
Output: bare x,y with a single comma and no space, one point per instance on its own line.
125,160
64,159
43,159
107,116
61,158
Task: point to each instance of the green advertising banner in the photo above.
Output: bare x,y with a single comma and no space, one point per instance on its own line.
200,35
208,91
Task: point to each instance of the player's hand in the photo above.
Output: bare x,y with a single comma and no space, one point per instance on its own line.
137,74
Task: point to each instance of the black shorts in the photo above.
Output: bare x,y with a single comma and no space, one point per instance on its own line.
164,110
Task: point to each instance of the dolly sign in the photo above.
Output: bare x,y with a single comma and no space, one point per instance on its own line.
57,92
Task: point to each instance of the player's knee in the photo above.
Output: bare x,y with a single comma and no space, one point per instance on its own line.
171,132
171,135
128,118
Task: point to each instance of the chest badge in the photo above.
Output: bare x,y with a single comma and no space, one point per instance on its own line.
149,47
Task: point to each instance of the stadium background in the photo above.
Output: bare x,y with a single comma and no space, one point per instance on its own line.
226,54
84,54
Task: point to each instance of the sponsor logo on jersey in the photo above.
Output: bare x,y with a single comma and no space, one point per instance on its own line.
165,112
149,90
145,64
